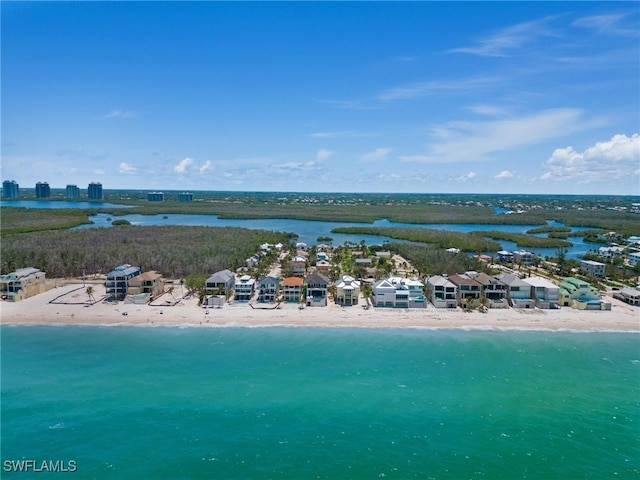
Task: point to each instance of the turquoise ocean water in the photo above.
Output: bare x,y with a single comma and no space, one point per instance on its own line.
226,403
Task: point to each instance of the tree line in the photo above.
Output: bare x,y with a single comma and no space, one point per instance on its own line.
174,251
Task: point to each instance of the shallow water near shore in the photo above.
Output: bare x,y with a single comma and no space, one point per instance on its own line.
127,402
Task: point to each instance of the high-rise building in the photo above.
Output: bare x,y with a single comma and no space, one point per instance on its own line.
10,189
185,197
73,191
95,190
43,190
155,197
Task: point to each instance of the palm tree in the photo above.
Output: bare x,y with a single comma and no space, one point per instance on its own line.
89,291
484,301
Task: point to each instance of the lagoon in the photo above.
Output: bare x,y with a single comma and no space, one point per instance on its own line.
308,230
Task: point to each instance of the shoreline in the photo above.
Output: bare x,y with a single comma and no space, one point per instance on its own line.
186,313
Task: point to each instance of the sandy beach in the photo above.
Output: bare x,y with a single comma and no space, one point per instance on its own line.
67,305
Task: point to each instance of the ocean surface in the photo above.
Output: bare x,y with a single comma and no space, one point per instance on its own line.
299,403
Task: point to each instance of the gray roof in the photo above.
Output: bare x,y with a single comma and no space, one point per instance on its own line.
439,280
124,270
316,279
223,276
512,280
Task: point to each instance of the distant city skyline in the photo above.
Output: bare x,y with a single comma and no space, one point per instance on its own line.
403,97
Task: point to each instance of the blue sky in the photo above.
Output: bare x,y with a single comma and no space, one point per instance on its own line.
452,97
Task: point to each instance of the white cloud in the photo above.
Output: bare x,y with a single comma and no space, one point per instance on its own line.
435,87
376,155
323,154
183,165
614,159
205,167
98,171
117,113
488,110
504,174
338,134
189,165
506,41
475,141
299,166
607,23
127,168
466,176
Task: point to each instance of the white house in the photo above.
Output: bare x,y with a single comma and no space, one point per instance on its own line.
523,257
634,258
543,291
591,267
518,291
245,288
398,293
505,256
441,292
610,252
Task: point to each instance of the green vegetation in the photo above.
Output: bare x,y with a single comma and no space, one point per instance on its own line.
548,229
435,261
523,240
173,251
120,222
22,220
436,238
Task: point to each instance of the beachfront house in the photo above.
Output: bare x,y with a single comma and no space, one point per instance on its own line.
292,289
117,281
220,283
591,267
518,291
317,287
545,293
347,291
145,287
581,295
268,289
23,283
441,292
218,288
398,293
245,288
469,290
492,289
628,295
